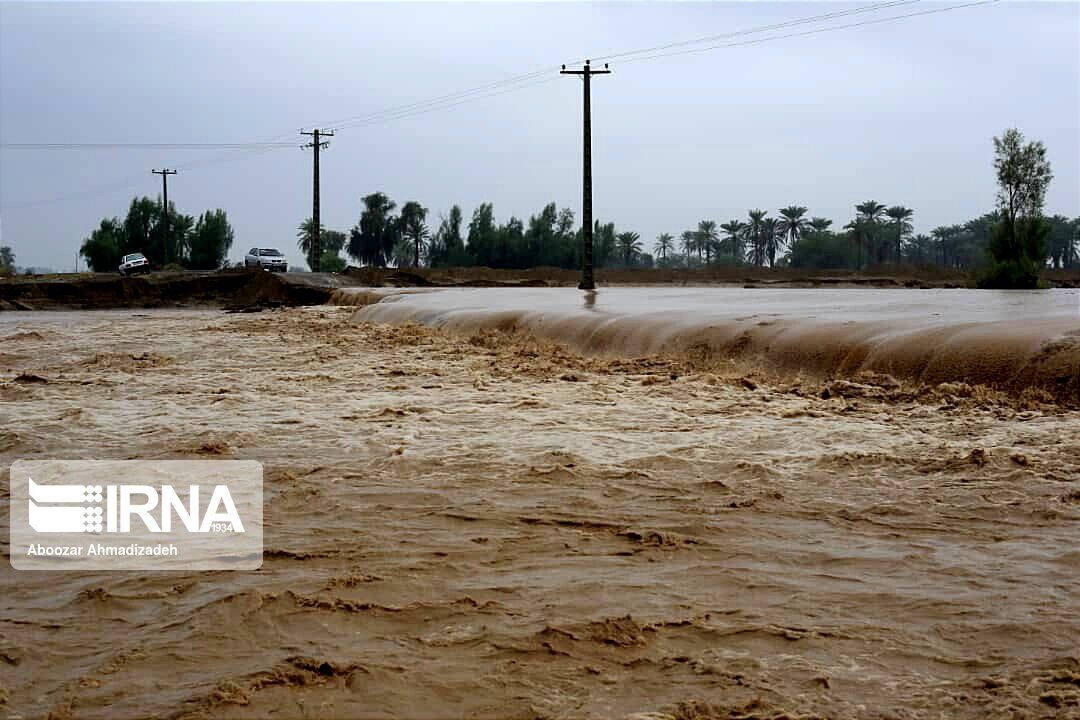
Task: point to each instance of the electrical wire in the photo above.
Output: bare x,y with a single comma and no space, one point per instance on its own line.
815,31
488,90
142,146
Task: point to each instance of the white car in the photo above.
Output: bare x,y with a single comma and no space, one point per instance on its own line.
134,264
266,258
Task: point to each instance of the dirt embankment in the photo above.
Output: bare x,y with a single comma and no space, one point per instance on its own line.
245,289
230,289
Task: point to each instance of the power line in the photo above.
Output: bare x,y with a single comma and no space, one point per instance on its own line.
143,146
510,84
815,31
461,96
422,111
493,89
764,28
126,182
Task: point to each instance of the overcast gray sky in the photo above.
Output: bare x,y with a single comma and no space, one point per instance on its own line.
900,112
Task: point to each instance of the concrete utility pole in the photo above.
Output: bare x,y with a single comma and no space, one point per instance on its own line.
315,251
164,173
586,181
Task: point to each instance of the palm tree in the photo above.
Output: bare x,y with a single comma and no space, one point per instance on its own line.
689,242
792,224
900,216
664,243
920,250
871,214
707,237
413,227
305,238
733,230
772,239
630,246
871,210
820,224
941,234
755,230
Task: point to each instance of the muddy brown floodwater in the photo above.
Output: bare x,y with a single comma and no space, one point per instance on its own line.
483,525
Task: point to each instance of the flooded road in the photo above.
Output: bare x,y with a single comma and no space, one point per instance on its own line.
474,524
709,304
1011,340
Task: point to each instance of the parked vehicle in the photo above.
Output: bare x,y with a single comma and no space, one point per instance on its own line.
266,258
134,264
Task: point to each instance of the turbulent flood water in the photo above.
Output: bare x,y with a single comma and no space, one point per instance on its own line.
1015,340
474,524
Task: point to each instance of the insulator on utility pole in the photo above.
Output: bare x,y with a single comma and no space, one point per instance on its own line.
315,250
587,282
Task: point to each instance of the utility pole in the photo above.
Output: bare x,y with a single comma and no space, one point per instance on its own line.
164,173
315,251
586,181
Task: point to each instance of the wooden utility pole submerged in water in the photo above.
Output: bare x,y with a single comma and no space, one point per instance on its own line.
315,251
587,282
164,173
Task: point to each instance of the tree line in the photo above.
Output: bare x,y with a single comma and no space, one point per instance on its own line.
876,235
1008,245
188,242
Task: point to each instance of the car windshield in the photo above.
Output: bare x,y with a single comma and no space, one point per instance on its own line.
270,251
136,256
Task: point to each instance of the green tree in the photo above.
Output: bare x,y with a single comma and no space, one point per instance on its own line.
820,224
688,240
822,249
540,237
1018,243
1062,240
332,262
773,238
447,247
629,247
373,238
210,241
483,237
1075,260
7,260
305,238
707,238
920,250
941,236
333,240
901,222
140,233
867,230
414,228
664,243
104,248
603,243
731,245
755,232
510,243
144,232
792,223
